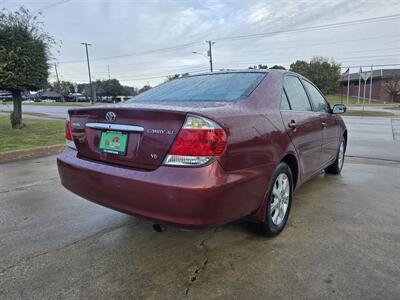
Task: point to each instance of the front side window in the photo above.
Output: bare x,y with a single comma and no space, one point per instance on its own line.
317,99
208,87
296,94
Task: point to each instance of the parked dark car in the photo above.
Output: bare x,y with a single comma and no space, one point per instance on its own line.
206,149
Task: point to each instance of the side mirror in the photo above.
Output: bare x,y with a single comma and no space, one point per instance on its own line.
339,109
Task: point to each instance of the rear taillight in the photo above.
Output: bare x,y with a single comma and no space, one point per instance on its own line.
199,141
69,140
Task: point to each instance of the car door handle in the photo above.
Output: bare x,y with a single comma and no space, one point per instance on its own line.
323,124
292,124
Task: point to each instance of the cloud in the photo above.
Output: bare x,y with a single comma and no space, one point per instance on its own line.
119,27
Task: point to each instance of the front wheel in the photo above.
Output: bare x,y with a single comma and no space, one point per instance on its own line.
337,166
279,200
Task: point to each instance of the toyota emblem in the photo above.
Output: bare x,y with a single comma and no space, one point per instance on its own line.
110,116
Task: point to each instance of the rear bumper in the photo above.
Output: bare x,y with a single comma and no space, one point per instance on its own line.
187,197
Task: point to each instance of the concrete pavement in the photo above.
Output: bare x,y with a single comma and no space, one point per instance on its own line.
341,241
373,137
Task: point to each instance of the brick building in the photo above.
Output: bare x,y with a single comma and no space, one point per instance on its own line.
378,79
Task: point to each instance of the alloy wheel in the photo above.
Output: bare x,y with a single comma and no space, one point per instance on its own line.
341,155
280,199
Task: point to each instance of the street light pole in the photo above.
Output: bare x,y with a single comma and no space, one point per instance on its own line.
90,77
210,43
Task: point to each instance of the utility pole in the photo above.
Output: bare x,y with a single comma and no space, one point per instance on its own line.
59,85
108,69
90,77
58,79
210,43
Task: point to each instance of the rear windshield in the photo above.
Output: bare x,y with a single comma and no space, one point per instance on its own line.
210,87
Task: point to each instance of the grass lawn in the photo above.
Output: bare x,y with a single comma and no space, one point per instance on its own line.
36,133
367,113
335,99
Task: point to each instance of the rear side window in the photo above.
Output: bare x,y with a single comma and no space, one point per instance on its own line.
209,87
284,102
298,98
317,99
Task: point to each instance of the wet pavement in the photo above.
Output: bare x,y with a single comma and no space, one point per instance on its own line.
342,241
373,137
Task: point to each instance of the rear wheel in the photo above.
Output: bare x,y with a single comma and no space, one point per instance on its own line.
279,200
337,166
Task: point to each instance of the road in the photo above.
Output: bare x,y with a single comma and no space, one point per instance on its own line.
52,111
374,137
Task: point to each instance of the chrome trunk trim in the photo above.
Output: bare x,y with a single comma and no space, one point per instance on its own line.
117,127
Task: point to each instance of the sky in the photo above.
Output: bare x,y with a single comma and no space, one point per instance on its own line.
141,42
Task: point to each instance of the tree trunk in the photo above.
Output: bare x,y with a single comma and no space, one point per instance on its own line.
16,115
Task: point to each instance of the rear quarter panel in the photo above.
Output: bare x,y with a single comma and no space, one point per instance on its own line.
256,134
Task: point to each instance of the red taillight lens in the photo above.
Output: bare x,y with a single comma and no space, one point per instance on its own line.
69,140
199,142
68,131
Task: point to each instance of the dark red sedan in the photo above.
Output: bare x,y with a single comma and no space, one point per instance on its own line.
206,149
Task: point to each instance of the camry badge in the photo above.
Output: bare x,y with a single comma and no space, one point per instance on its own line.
110,116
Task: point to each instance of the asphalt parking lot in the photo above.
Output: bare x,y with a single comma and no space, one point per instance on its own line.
341,241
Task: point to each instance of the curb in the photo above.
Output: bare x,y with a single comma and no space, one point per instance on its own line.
22,154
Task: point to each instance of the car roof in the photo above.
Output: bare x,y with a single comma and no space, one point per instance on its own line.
229,71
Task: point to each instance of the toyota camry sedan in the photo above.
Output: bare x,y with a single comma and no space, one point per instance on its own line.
207,149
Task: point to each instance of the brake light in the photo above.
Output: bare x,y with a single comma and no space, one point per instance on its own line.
199,141
69,140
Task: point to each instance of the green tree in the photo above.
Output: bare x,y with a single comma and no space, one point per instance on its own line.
129,91
278,67
64,88
24,57
144,88
324,73
301,67
112,88
259,67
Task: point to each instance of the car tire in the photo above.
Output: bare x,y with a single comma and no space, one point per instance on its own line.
278,205
337,166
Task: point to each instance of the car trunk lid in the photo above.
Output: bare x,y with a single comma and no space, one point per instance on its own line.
149,133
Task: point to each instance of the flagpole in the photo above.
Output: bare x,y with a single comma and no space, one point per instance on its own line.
359,85
365,84
370,85
348,85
